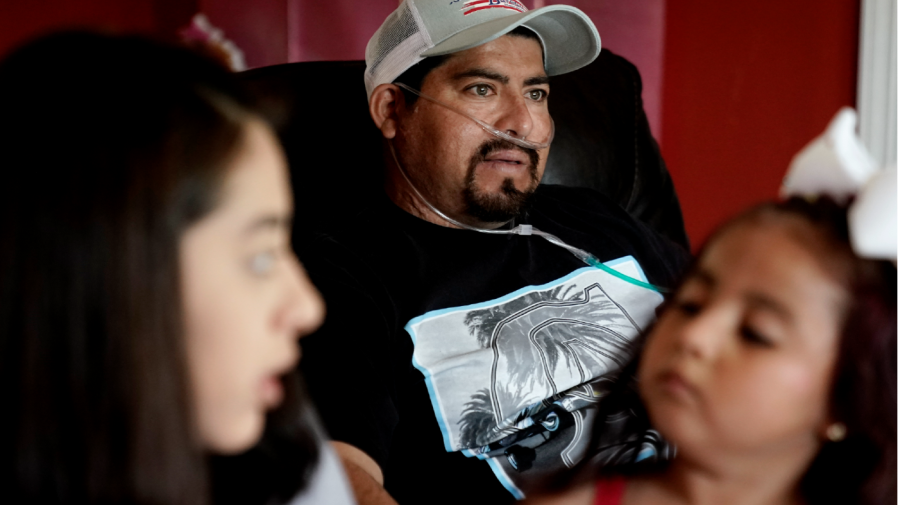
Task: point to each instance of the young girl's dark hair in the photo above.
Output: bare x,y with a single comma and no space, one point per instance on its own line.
110,148
862,467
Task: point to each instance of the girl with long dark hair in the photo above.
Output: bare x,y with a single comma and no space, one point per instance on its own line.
149,298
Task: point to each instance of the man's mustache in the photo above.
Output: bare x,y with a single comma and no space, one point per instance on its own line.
491,146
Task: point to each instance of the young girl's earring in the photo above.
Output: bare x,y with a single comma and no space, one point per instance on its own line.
835,432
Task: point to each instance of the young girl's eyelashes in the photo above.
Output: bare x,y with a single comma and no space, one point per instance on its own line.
688,307
692,306
753,337
690,300
692,296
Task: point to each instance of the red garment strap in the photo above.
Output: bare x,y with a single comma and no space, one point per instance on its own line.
610,491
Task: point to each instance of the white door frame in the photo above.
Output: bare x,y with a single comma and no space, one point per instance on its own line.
877,85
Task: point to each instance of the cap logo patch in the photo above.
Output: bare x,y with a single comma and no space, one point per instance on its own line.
479,5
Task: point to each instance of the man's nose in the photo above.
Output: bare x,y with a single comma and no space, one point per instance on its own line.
516,118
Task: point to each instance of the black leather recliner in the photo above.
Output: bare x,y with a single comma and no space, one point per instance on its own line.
602,140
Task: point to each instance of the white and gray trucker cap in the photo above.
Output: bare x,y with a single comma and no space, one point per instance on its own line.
421,28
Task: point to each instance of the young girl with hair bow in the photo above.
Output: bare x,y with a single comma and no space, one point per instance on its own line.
772,368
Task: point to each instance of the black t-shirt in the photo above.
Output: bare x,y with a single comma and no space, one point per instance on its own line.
443,346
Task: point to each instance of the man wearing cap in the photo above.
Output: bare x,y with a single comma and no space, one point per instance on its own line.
477,319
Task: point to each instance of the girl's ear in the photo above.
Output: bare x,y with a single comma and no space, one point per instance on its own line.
384,102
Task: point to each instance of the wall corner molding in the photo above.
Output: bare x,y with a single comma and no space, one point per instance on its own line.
877,86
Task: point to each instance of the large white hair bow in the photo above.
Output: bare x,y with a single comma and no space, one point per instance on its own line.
837,164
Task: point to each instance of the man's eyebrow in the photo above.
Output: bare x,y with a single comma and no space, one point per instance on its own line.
269,221
535,81
481,72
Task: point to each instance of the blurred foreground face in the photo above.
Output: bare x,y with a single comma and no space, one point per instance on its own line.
246,297
741,362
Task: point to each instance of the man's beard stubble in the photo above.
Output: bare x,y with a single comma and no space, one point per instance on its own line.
502,207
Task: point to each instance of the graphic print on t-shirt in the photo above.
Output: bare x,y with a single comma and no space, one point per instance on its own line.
514,370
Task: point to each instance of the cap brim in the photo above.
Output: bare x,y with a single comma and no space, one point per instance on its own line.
569,38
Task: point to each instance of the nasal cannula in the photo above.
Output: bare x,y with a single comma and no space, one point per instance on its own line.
521,229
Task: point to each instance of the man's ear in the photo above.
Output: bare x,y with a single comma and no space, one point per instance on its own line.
385,100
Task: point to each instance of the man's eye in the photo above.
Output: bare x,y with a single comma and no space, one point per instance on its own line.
481,89
538,95
262,263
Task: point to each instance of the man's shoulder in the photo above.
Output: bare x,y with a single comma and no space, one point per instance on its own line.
370,252
571,205
373,224
574,197
594,221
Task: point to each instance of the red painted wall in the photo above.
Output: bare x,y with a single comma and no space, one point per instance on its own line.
747,85
23,20
338,29
635,30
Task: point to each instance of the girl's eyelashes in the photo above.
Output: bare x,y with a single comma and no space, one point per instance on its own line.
689,307
753,337
689,300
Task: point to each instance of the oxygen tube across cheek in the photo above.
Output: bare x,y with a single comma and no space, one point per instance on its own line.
525,230
518,141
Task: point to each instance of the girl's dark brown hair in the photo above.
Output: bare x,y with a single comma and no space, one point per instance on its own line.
862,467
110,148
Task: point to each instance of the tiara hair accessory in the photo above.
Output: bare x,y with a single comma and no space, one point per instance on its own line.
837,164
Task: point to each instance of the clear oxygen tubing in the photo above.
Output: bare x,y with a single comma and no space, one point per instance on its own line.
519,141
526,230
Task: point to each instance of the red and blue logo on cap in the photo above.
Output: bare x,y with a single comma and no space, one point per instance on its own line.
479,5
